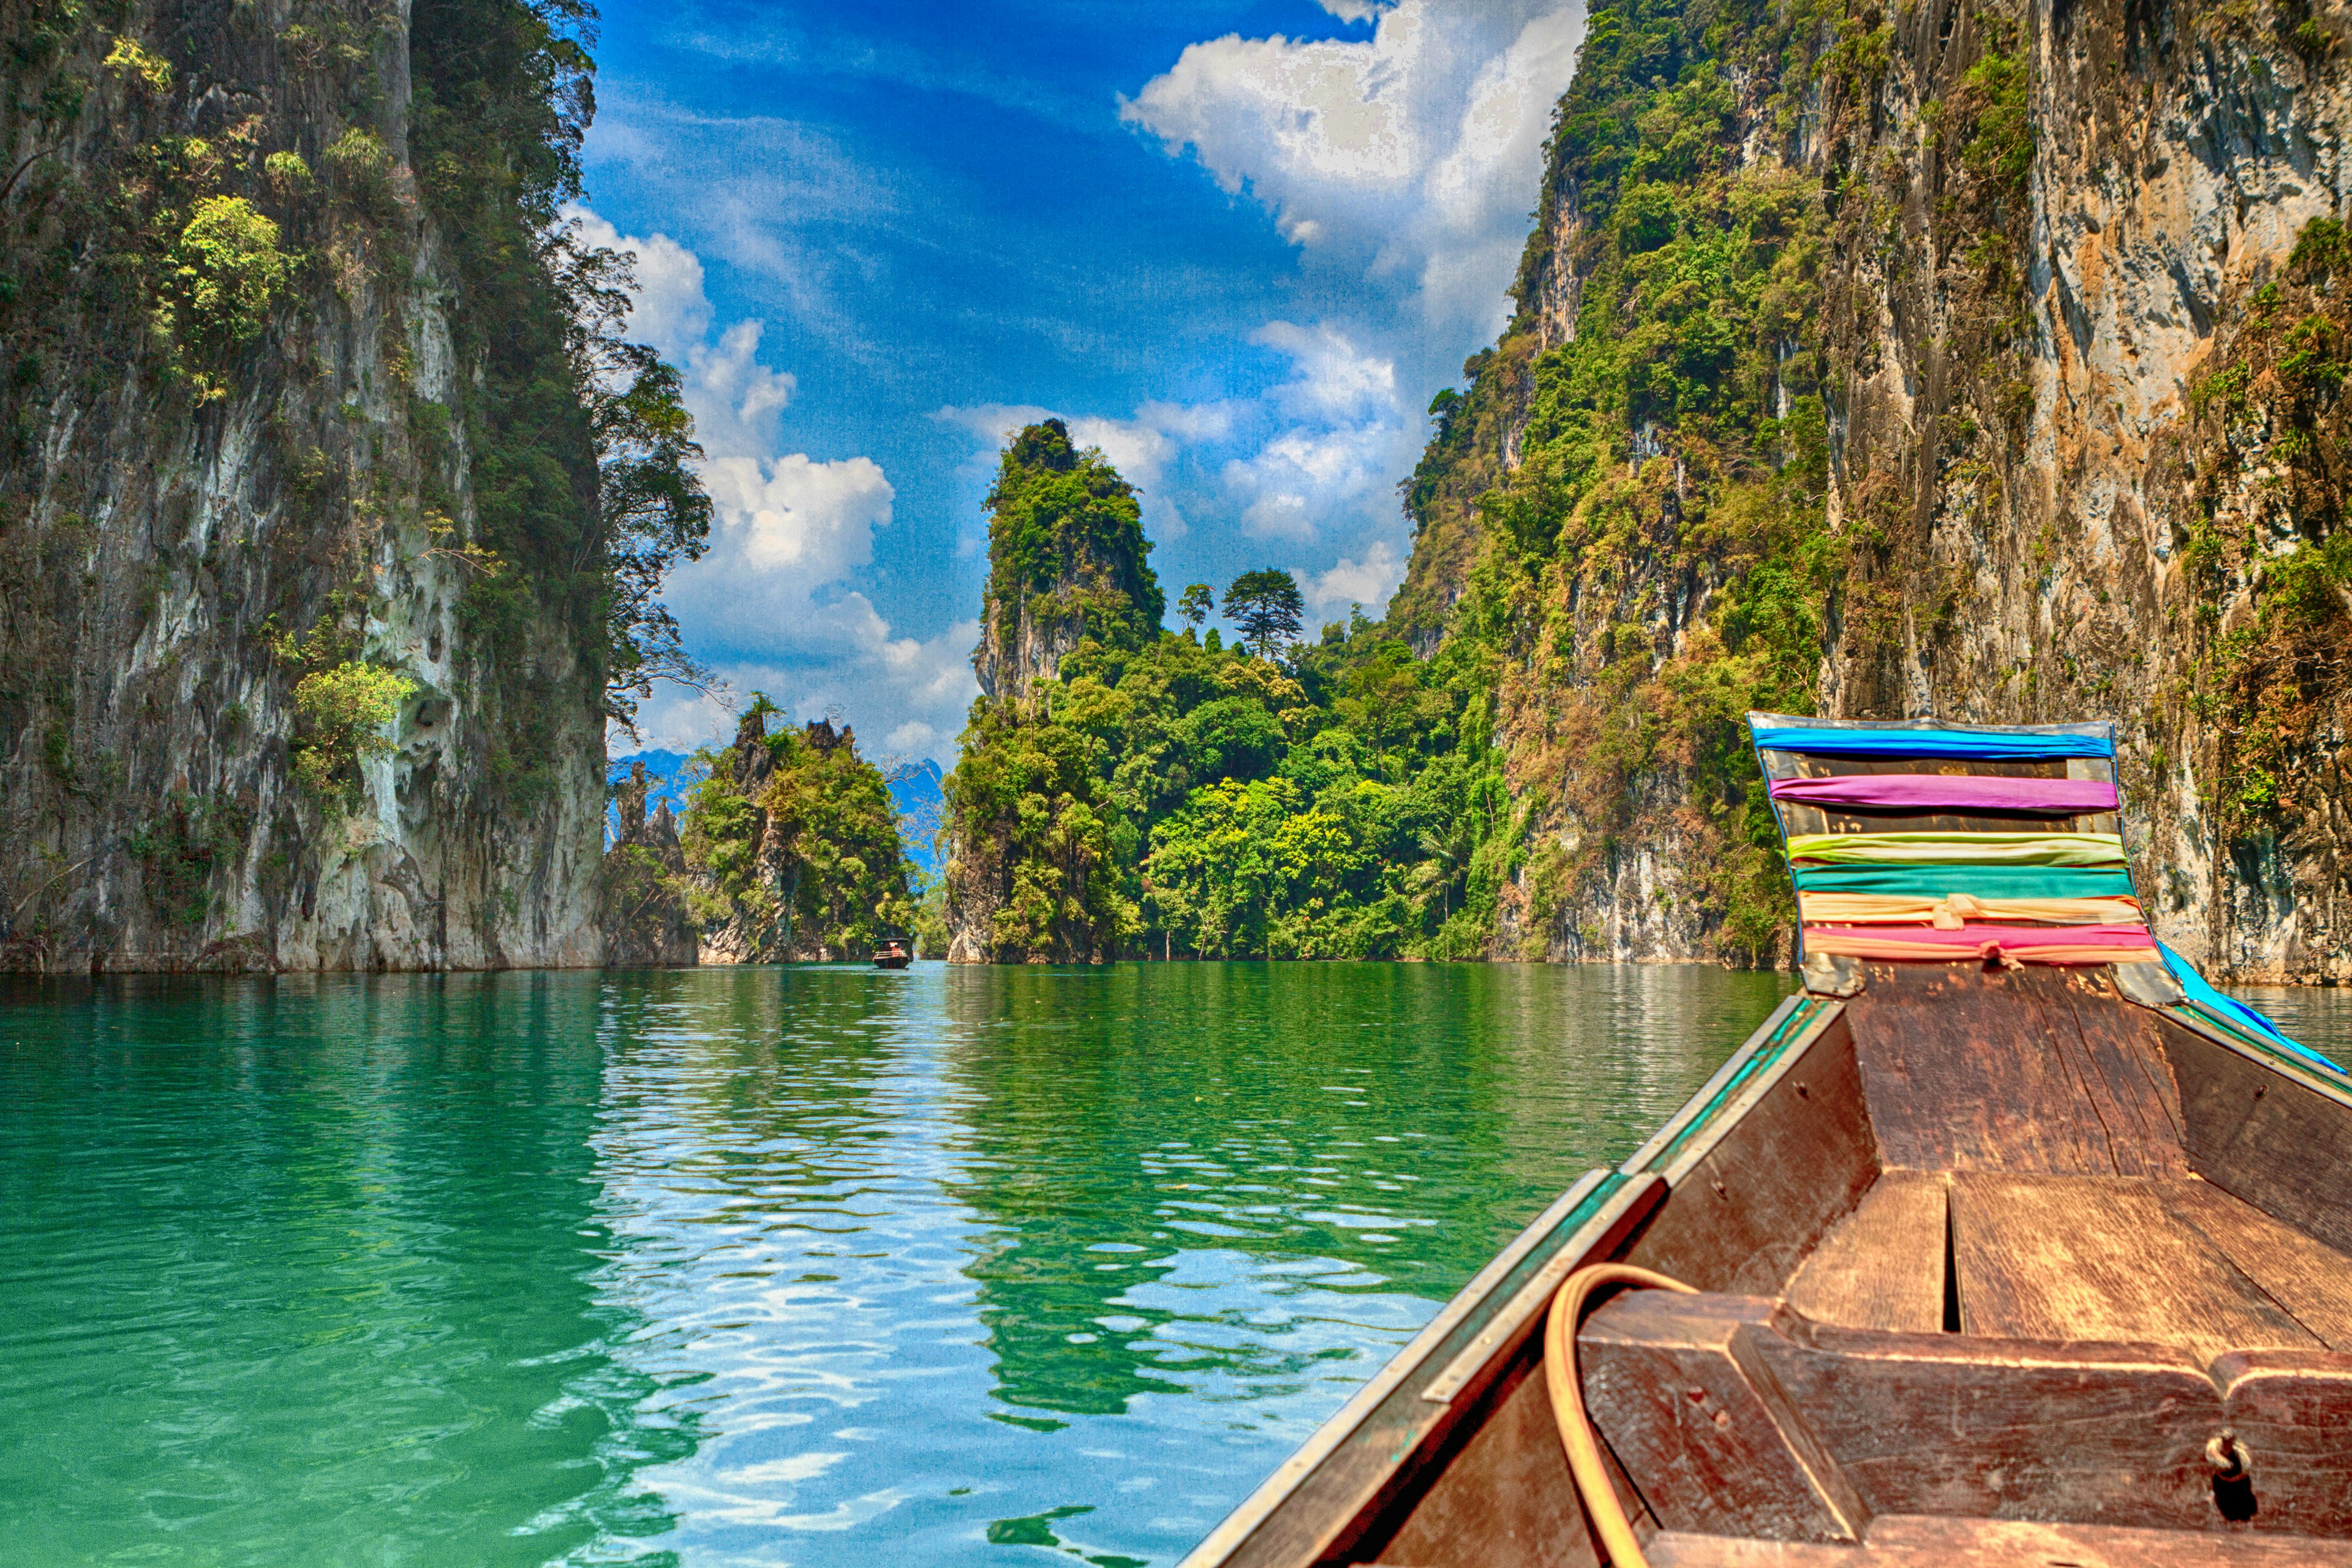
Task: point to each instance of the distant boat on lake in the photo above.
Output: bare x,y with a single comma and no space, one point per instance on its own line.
2007,1239
893,953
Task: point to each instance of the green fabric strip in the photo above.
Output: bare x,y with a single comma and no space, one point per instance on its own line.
1980,882
1959,848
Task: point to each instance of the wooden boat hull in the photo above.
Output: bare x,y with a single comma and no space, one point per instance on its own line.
891,960
1989,1258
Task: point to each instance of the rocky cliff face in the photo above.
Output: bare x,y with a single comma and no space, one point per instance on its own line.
642,906
790,849
1067,564
1067,559
1961,359
286,680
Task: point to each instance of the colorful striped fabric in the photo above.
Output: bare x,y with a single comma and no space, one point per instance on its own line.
2026,897
1950,792
1954,909
2010,897
2004,745
1958,849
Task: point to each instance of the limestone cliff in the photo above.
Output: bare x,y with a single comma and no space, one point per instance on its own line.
297,669
643,893
1068,566
792,849
1067,556
1966,359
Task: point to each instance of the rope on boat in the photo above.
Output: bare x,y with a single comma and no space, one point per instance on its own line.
1566,1388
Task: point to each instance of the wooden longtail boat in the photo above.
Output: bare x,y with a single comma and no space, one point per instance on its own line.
2007,1240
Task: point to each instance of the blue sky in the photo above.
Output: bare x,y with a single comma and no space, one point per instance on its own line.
1238,246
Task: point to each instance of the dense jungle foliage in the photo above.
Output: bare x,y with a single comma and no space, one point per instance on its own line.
790,845
1167,795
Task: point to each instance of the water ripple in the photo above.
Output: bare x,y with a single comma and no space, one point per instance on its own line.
811,1266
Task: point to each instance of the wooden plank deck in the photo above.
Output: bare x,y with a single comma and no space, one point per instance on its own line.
2087,1257
1883,1267
1901,1541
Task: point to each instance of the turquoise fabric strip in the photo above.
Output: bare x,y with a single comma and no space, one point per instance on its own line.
2201,991
1957,744
1978,881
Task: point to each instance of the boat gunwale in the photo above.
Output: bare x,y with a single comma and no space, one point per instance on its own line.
1735,1089
1727,1096
2253,1049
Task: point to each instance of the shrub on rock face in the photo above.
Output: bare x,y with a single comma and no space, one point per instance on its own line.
341,715
224,273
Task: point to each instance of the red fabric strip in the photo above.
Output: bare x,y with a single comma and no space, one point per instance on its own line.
2030,944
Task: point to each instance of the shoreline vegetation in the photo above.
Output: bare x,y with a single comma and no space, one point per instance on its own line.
1127,791
788,851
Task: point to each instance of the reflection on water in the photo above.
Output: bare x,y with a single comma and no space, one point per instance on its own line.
810,1265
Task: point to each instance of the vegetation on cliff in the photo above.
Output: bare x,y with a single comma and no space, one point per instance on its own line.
2270,683
290,338
583,452
791,847
1165,794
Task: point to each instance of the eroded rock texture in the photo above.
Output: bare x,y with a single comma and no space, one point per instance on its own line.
1961,359
261,339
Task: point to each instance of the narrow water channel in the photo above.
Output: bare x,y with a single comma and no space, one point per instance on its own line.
818,1266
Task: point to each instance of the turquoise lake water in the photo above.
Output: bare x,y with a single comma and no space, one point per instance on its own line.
817,1265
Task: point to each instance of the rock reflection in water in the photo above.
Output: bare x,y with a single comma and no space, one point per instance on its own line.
811,1265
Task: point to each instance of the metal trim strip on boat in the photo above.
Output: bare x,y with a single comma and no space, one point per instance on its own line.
2261,1052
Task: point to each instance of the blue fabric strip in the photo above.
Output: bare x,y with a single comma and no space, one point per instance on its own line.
1957,744
2201,992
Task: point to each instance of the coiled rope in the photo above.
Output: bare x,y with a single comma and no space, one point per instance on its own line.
1567,1389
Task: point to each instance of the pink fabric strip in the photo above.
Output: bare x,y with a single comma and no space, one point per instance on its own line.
1950,792
2042,945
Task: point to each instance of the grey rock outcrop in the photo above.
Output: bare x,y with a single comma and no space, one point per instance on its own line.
186,531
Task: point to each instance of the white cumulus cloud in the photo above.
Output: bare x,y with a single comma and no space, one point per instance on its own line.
1403,162
1367,580
1415,151
770,605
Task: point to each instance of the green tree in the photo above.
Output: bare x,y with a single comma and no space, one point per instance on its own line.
653,509
223,272
1196,605
1267,607
341,716
1037,841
